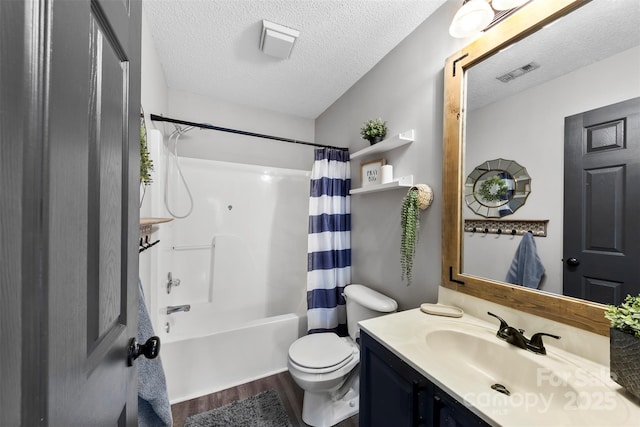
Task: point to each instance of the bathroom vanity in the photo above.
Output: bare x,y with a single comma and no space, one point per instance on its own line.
421,369
394,393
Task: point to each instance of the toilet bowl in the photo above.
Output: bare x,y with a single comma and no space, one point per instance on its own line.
326,366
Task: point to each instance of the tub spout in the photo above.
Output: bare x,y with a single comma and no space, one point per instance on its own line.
176,308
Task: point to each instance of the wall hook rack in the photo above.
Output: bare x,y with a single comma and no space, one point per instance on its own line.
538,227
146,228
144,244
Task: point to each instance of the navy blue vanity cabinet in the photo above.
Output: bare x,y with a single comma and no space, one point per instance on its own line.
393,394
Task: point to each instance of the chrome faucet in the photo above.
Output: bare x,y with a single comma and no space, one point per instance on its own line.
176,308
171,282
516,337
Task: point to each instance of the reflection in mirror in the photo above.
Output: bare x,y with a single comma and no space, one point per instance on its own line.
516,104
530,131
497,188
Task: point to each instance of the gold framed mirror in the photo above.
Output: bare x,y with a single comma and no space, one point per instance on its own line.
578,313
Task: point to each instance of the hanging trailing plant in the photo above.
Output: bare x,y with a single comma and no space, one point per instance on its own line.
410,221
146,164
419,197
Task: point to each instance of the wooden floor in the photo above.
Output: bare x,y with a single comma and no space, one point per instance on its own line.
290,394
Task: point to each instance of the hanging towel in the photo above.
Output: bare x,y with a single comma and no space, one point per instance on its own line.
154,409
526,268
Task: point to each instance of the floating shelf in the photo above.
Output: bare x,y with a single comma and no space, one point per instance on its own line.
146,224
154,221
402,182
388,144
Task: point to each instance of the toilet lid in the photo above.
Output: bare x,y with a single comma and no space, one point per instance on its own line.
320,351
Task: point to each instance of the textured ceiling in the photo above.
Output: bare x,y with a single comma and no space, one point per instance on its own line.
590,34
210,47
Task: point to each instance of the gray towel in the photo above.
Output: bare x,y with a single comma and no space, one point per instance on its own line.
526,268
154,409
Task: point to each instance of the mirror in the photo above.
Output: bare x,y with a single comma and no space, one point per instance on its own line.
497,188
460,136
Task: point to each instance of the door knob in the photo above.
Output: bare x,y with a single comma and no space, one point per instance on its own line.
573,262
150,349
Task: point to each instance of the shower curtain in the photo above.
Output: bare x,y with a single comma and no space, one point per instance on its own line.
329,254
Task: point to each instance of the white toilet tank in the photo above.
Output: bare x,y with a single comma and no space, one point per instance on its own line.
364,303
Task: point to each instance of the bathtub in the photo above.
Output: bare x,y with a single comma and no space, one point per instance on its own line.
203,364
241,261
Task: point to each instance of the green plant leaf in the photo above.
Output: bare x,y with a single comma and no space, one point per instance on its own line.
626,316
374,127
410,222
146,164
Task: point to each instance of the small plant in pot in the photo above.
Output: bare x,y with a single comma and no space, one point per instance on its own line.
374,130
624,344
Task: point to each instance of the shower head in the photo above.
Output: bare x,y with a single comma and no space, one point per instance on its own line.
181,130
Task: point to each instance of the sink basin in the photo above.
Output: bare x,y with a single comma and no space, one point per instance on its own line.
490,360
510,383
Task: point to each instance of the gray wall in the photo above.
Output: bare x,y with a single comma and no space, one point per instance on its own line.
405,89
229,147
154,99
158,99
153,91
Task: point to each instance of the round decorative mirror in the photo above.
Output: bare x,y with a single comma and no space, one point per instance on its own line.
497,188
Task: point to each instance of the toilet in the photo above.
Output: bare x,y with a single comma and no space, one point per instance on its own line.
325,365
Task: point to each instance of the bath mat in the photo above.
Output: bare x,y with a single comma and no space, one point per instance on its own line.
262,410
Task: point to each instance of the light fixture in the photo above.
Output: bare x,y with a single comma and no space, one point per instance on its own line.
507,4
277,40
473,17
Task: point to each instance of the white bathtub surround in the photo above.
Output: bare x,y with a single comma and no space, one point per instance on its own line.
463,357
241,261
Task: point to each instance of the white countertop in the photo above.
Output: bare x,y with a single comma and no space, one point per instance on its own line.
587,397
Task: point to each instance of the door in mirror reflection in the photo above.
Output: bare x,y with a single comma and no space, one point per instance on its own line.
593,62
602,203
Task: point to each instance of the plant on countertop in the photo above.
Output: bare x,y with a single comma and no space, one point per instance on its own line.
624,344
410,221
146,164
374,128
626,316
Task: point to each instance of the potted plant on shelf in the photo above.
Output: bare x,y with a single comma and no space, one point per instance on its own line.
624,344
374,130
418,198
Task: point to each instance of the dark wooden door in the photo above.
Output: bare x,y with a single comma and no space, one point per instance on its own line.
602,203
71,147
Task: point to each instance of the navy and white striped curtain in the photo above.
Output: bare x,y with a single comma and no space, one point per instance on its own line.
329,254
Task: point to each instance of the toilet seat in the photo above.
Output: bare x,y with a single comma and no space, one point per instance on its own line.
320,353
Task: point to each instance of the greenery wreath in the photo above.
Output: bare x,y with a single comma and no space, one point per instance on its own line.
493,189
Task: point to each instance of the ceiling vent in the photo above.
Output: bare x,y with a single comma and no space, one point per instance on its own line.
277,40
518,72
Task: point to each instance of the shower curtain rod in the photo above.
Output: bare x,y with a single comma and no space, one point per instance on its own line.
157,118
